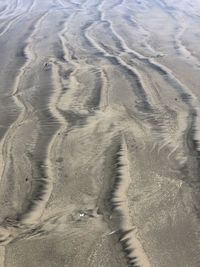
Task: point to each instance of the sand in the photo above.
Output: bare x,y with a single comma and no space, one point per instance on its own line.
99,133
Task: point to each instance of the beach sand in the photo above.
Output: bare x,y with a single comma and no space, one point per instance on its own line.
99,133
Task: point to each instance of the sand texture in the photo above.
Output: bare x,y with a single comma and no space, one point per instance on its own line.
99,133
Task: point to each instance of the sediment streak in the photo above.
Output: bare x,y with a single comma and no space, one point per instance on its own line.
83,81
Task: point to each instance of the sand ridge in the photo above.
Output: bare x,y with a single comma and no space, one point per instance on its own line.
99,133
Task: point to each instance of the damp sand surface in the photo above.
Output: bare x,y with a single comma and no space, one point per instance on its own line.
99,133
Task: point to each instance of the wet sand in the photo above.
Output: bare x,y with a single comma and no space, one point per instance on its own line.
99,133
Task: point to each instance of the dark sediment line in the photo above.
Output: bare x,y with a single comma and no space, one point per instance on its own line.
114,165
137,86
59,53
192,145
95,97
131,76
74,118
191,142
